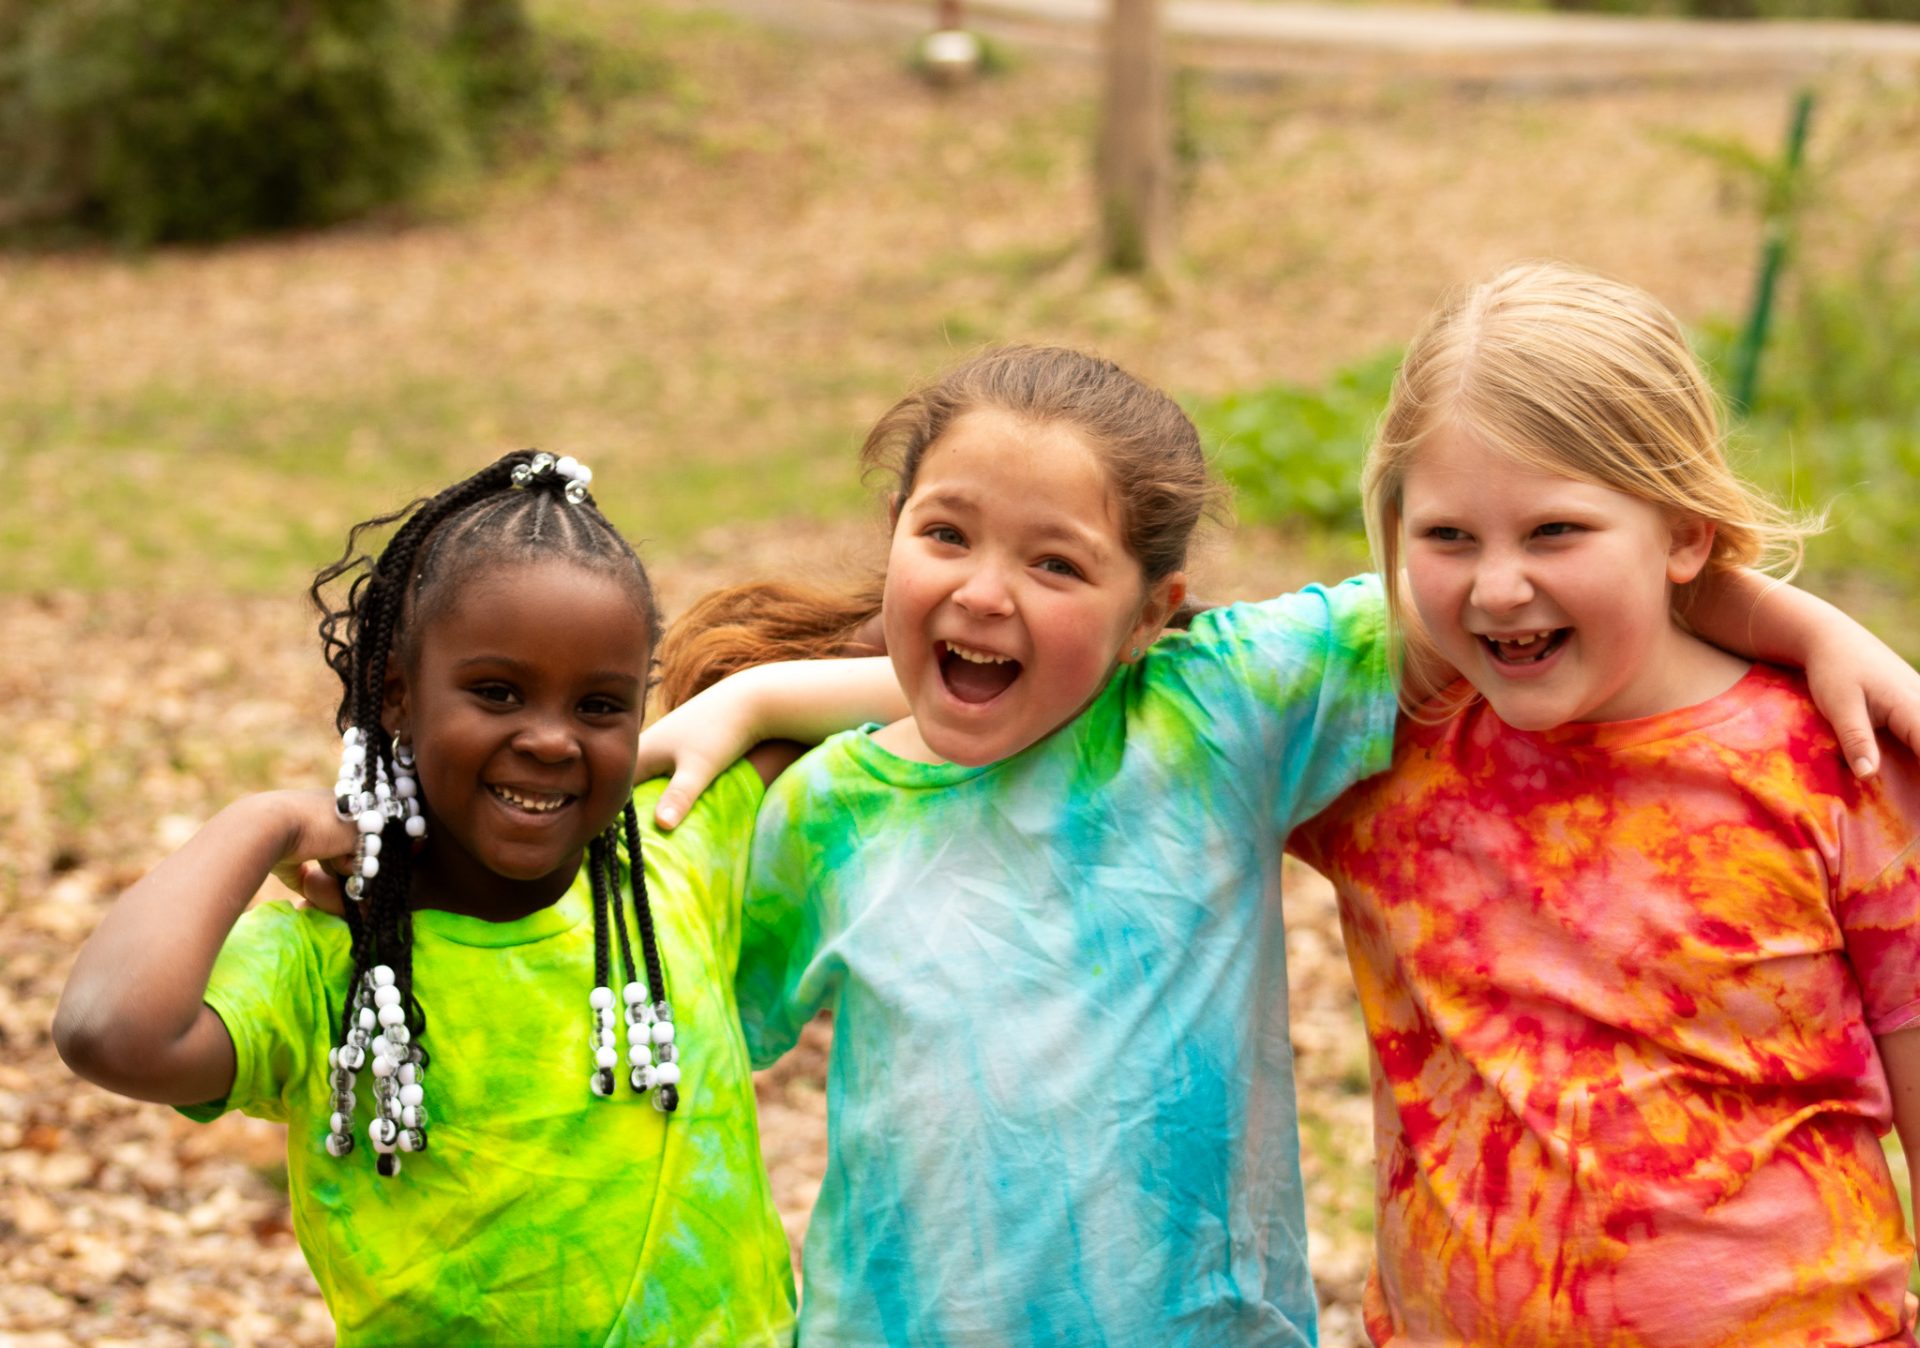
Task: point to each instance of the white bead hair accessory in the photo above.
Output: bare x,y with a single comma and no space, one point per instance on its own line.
575,474
366,795
399,1119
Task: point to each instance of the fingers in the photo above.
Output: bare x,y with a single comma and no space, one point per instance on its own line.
1903,723
1862,753
694,775
321,889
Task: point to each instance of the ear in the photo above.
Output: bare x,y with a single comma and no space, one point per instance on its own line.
1164,597
395,700
1690,546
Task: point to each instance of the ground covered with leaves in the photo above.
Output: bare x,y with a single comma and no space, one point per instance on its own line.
715,288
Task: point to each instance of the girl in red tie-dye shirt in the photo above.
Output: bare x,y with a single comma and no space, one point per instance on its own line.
1639,955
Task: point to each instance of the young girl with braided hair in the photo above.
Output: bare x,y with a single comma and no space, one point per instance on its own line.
1040,900
519,1108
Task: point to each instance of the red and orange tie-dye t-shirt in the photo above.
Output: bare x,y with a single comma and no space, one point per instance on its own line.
1623,982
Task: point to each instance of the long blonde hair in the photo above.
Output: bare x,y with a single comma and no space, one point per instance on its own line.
1571,373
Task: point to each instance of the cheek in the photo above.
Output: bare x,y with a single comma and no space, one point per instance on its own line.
1434,589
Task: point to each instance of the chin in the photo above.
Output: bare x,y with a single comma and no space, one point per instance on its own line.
1525,718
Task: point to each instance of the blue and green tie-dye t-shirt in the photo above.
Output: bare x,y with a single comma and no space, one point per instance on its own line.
539,1213
1060,1102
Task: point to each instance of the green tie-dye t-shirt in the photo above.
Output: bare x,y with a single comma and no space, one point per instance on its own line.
539,1213
1060,1102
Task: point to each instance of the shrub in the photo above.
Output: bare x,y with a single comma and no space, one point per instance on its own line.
157,120
1295,453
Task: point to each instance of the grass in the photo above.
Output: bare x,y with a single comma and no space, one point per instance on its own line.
738,247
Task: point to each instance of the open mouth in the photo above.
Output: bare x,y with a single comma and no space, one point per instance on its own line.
1526,648
531,802
974,675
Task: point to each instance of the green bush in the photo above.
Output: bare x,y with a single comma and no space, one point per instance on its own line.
158,120
1294,453
1835,423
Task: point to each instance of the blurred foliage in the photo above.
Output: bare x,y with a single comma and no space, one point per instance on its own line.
1294,453
150,121
1836,425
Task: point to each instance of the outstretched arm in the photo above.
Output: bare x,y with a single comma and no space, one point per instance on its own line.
131,1017
1857,681
804,700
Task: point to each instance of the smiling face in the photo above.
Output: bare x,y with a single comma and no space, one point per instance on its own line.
523,699
1551,594
1010,593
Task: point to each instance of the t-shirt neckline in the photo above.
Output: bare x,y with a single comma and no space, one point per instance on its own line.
557,918
1660,725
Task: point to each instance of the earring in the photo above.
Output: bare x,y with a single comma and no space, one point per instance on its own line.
1135,654
365,794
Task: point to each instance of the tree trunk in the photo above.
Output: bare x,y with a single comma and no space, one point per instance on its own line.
1135,167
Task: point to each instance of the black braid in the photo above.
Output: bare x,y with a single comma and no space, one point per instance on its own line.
603,858
637,881
441,539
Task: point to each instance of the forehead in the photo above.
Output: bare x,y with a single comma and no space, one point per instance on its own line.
1454,468
551,614
1020,470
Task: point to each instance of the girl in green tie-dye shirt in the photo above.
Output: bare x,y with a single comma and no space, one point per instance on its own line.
483,1146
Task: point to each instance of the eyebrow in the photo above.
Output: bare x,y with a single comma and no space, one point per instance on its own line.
520,667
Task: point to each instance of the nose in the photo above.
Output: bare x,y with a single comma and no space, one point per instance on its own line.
986,591
1501,583
545,737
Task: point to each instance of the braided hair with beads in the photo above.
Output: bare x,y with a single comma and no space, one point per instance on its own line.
525,507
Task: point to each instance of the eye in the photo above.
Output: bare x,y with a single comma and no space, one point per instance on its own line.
501,694
1558,529
1445,533
945,533
599,704
1060,566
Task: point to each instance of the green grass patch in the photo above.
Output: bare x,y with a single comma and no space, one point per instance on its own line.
247,493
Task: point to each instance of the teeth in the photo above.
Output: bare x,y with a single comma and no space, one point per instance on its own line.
1527,640
974,657
536,804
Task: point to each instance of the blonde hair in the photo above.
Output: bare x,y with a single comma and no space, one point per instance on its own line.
1572,373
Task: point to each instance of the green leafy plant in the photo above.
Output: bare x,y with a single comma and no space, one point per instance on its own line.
1293,452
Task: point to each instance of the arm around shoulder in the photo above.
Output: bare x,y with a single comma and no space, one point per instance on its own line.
1857,681
797,700
131,1017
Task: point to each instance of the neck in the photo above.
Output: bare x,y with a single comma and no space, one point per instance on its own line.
448,878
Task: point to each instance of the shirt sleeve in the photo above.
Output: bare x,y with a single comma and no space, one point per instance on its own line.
704,860
777,985
265,987
1880,912
1303,687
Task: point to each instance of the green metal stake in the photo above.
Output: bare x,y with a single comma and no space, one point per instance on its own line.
1773,255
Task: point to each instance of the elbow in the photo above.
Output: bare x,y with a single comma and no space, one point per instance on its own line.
84,1035
78,1039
